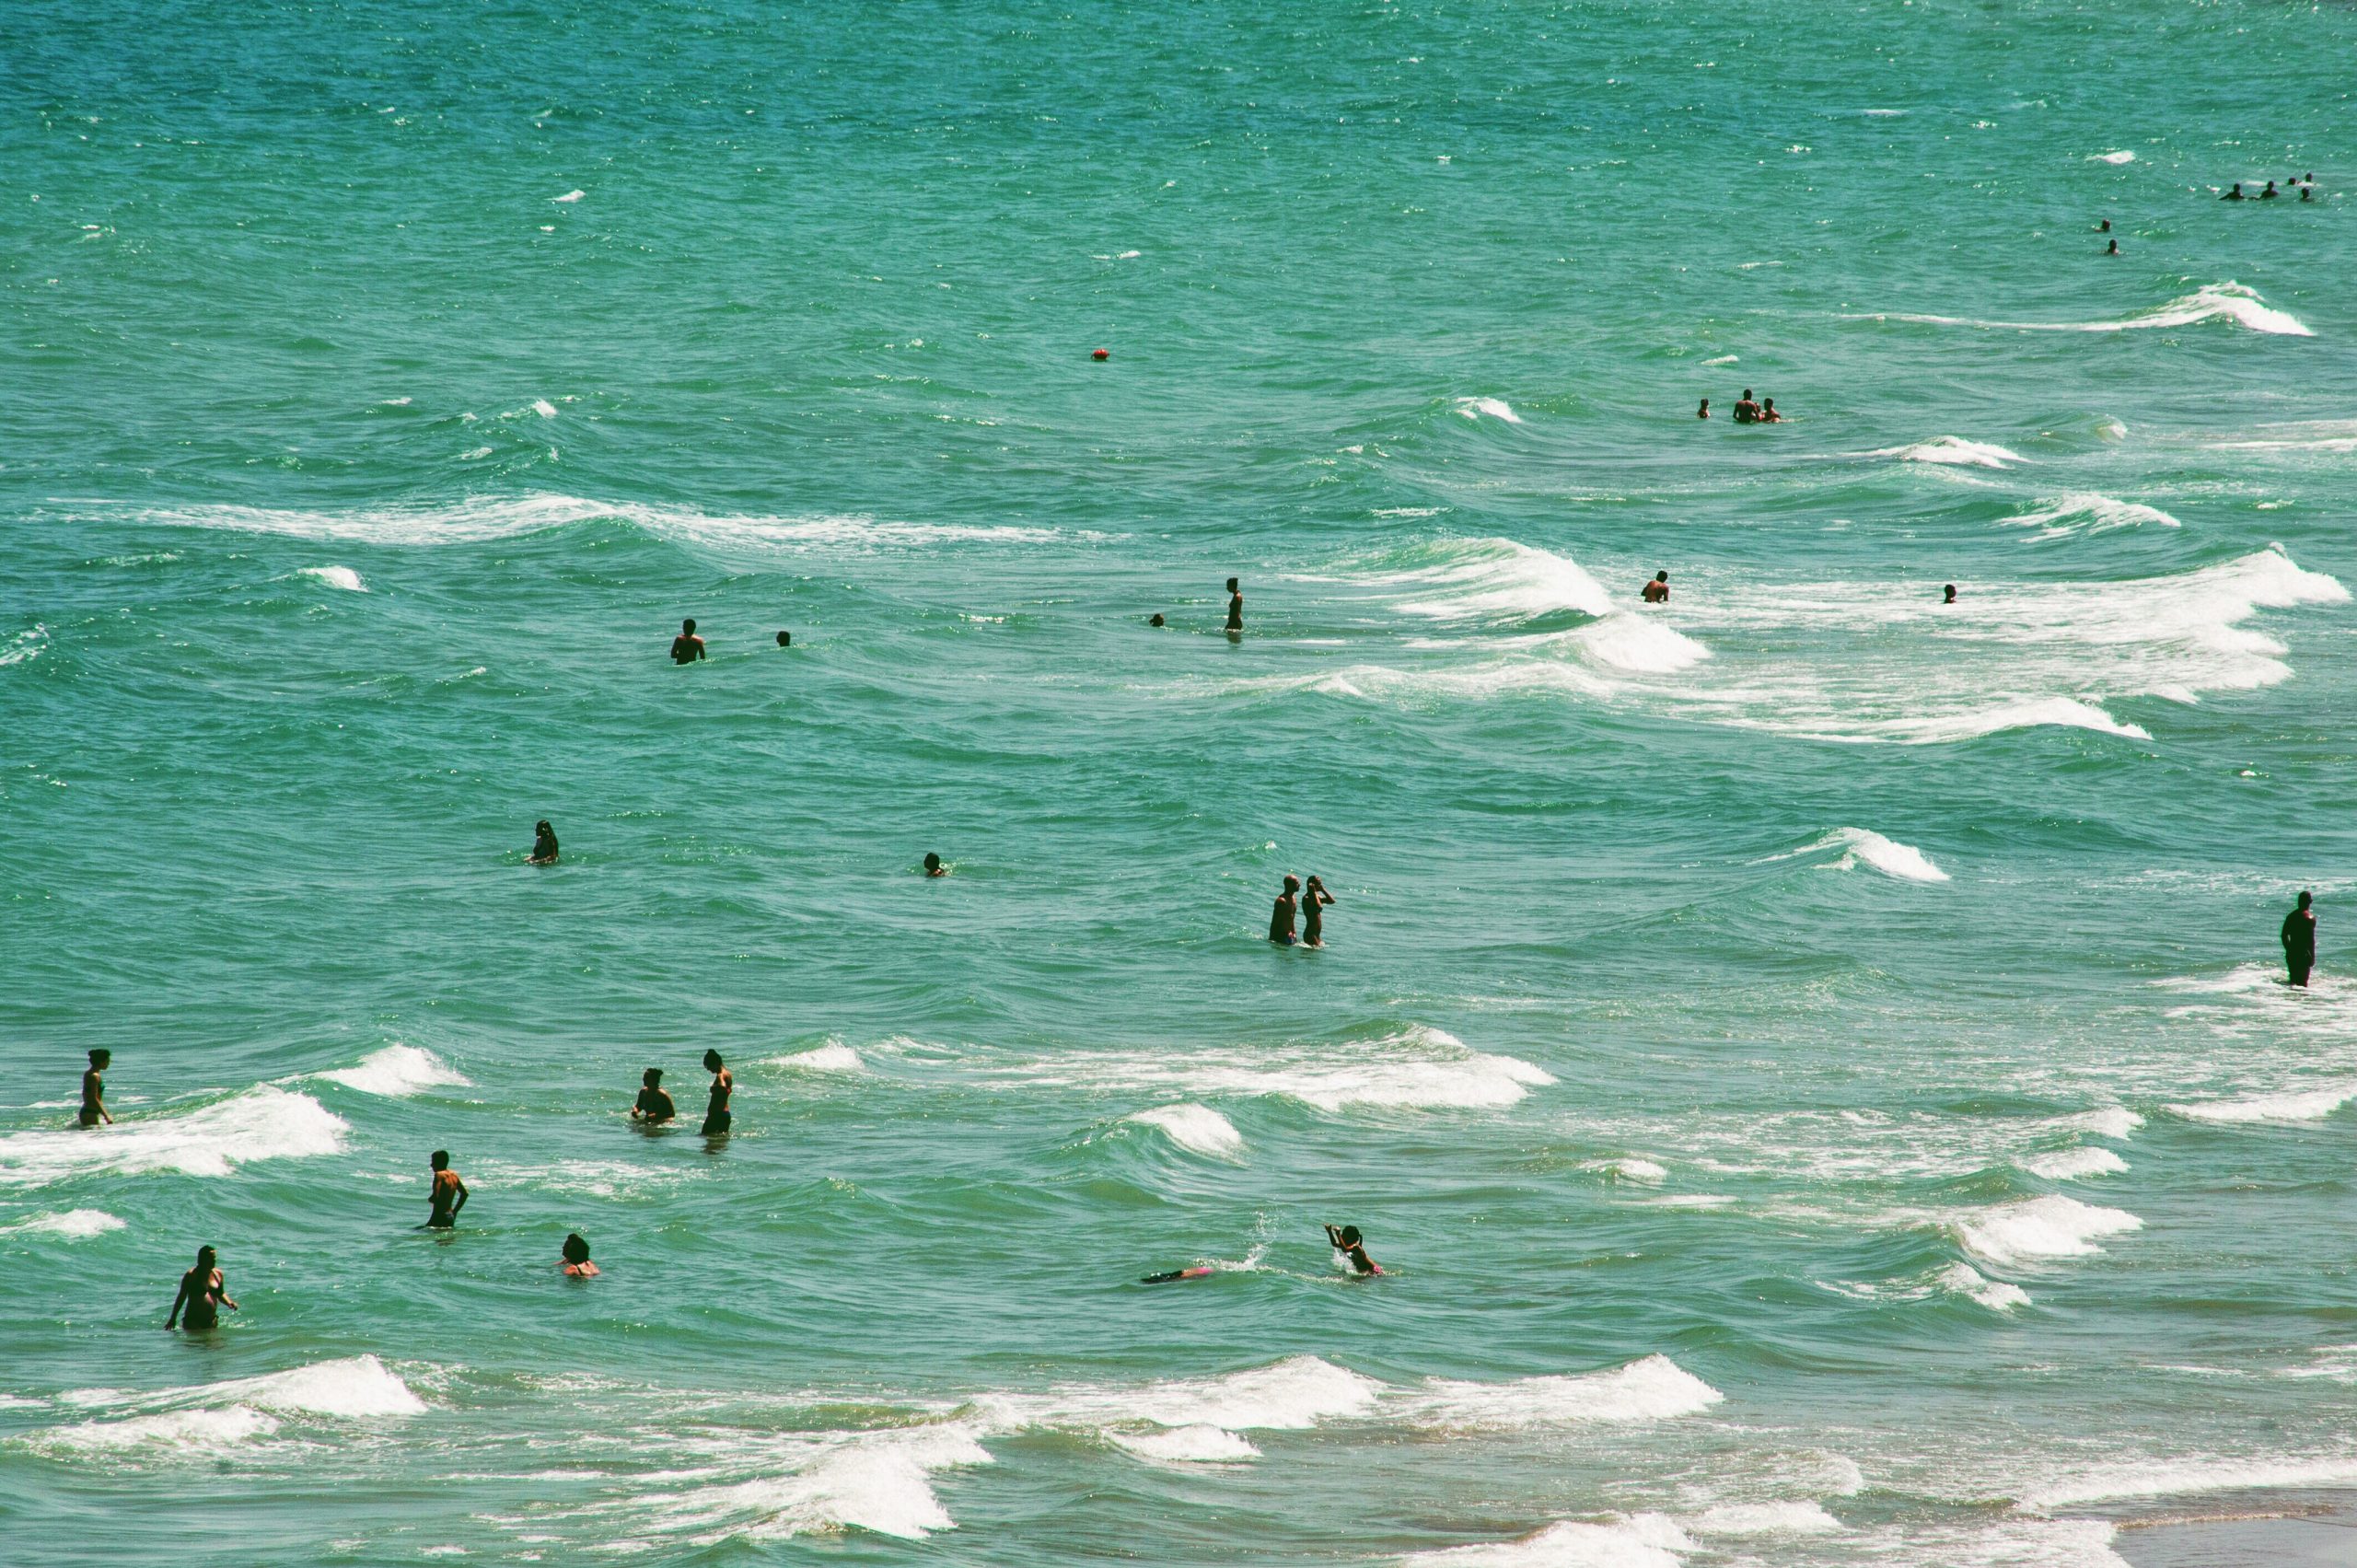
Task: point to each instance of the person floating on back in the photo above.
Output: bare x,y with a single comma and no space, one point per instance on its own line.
1314,899
716,1110
1658,592
1704,412
1348,1242
687,648
2235,195
1948,594
202,1295
1234,610
576,1262
933,867
447,1196
1768,414
2300,940
544,844
1281,918
654,1104
1745,411
1199,1271
94,1091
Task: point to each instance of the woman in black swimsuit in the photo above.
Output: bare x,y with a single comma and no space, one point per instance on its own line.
201,1292
716,1113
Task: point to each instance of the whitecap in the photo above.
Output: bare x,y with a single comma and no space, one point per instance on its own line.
569,196
215,1417
264,1122
1747,1520
832,1057
1888,856
398,1072
1652,1389
1418,1068
1643,1172
1724,359
2120,155
2036,1229
1193,1127
1953,451
1199,1443
2288,1106
1963,1279
343,577
1495,408
2211,302
544,408
2084,511
1290,1395
879,1482
1643,1540
2186,1477
75,1224
2073,1164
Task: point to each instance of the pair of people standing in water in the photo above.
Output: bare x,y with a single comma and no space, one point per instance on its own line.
1309,904
654,1104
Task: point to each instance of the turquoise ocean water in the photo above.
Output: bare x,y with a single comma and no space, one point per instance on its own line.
1813,1062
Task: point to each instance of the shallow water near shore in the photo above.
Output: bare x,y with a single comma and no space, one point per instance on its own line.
1813,1062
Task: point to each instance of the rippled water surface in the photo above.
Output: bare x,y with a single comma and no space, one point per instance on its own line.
1812,1061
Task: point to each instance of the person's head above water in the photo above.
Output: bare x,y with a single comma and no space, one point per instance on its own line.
1705,410
785,639
1747,391
711,1063
1350,1235
2103,227
441,1160
100,1056
576,1250
688,627
542,828
652,1077
1950,594
2112,249
1155,620
1661,576
931,864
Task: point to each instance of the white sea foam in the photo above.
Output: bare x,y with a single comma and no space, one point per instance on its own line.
2104,1122
2084,511
2289,1105
77,1224
2072,1165
1953,451
2036,1229
1494,408
2183,1478
544,408
1722,359
1290,1395
343,577
2211,302
1198,1128
832,1057
1418,1068
569,196
1629,1167
1477,579
870,1481
1963,1279
1643,1540
2120,154
184,1432
1199,1443
214,1417
25,647
2063,713
1862,844
264,1122
1748,1520
353,1387
398,1072
1652,1389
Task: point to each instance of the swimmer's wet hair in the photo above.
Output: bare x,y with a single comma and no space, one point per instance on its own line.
576,1250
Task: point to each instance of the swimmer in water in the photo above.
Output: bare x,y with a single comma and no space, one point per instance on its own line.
2307,192
785,639
1704,412
1199,1271
687,648
654,1104
1348,1242
2234,194
2268,194
1281,918
716,1111
1658,592
1745,411
1234,610
2112,249
1949,594
447,1196
94,1091
1155,620
2103,227
933,867
1314,899
544,844
203,1294
1768,414
576,1262
2300,941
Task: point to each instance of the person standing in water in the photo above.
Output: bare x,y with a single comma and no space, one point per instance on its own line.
1704,412
202,1295
2235,195
1281,918
1658,592
1350,1245
577,1264
1314,899
2300,940
1768,414
94,1091
1234,609
447,1196
1948,594
687,648
544,844
716,1113
654,1104
1745,411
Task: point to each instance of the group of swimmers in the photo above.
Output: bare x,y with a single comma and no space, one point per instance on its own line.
687,648
1747,411
1309,904
653,1107
2306,184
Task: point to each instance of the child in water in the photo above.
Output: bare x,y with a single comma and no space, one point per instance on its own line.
653,1106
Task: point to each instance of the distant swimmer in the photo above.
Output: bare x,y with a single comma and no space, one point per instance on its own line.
1234,610
94,1091
687,648
654,1104
448,1194
2112,249
2103,227
202,1295
2234,195
716,1110
1155,620
785,639
2268,194
1658,592
2307,192
544,844
1948,594
933,867
1745,411
1314,899
2300,940
1201,1270
1768,414
1704,412
577,1258
1281,918
1348,1242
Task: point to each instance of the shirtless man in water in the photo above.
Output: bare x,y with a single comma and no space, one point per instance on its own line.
1745,411
447,1195
716,1113
94,1091
1658,592
687,648
1234,610
1281,918
201,1292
